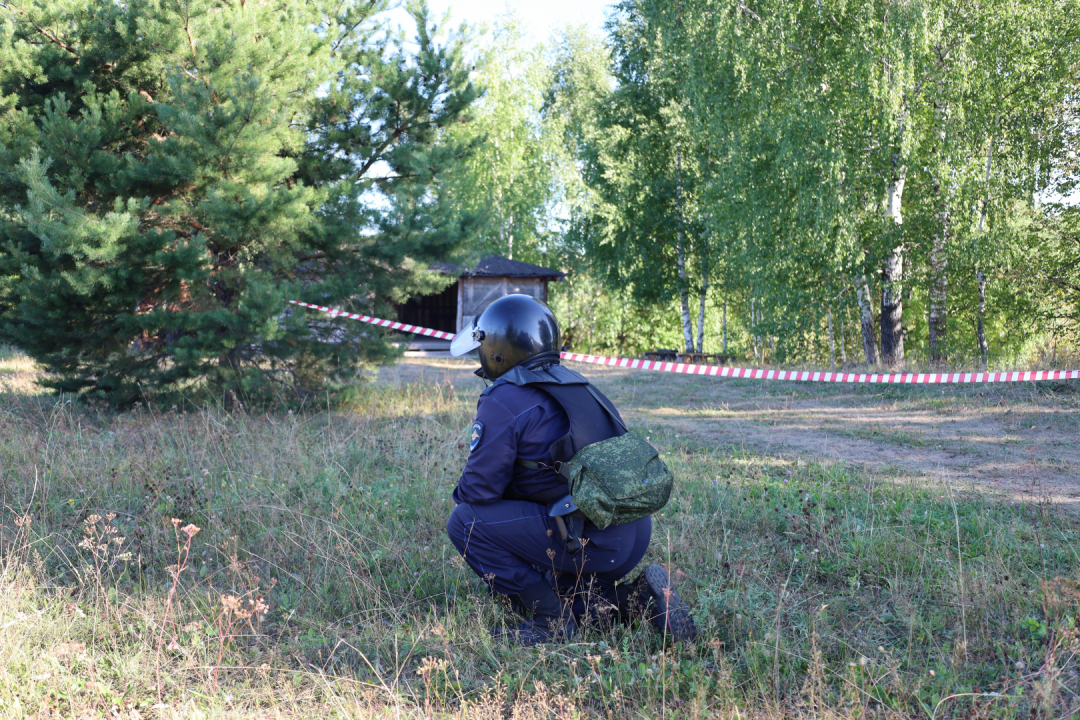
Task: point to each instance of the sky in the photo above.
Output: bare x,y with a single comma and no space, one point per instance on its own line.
540,16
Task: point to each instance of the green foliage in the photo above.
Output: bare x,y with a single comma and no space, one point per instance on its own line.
828,148
650,167
596,319
510,180
171,174
1059,266
1056,233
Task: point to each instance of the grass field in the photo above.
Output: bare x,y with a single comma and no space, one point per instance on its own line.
319,581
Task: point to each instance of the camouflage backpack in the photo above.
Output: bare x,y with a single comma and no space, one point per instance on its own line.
619,480
615,476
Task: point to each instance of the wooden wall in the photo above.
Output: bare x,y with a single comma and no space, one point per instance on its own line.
476,293
439,311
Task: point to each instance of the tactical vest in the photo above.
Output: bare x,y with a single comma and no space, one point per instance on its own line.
614,476
593,417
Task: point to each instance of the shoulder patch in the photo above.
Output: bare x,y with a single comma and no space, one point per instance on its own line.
475,433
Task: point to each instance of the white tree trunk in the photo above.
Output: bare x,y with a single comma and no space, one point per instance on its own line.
832,344
983,348
761,338
701,320
725,327
684,290
706,265
867,317
937,306
937,319
756,339
843,341
892,273
896,197
687,322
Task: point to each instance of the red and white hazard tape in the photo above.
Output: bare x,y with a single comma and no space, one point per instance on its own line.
748,373
334,312
818,376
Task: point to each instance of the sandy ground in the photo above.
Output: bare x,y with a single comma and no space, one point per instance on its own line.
1017,440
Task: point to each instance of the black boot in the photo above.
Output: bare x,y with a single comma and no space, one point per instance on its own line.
551,621
592,609
652,596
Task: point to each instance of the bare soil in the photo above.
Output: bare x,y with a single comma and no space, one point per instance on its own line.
1020,441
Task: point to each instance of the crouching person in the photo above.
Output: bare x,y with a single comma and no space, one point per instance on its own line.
542,430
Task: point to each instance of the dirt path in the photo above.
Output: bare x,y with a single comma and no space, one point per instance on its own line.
1018,441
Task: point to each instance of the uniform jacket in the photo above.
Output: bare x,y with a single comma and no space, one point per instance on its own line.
515,420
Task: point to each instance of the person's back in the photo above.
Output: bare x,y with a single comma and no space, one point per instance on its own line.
513,422
515,523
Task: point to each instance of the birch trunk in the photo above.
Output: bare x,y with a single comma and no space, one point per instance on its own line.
938,310
832,344
989,165
725,327
705,270
867,316
892,274
753,329
704,294
983,348
843,339
701,320
937,305
982,313
498,204
761,339
684,290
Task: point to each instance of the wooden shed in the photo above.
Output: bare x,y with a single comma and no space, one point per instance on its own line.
456,306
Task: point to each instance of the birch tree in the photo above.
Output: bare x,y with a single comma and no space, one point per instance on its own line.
887,149
651,224
512,177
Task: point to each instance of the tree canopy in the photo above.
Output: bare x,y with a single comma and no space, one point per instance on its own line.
877,181
869,168
171,174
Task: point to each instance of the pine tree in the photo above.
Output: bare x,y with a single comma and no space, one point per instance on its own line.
172,172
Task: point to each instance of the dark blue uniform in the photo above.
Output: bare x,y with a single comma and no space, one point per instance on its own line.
501,526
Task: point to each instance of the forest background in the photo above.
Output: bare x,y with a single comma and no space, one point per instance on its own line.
859,183
823,182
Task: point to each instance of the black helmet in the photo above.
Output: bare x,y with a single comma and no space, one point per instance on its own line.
509,331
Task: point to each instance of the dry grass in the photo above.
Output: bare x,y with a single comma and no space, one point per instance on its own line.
17,374
319,580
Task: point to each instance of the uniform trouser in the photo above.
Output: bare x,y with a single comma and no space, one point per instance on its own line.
514,545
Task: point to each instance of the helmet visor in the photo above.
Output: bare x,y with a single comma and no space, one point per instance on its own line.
464,342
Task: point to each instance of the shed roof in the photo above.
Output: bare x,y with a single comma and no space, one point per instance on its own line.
499,266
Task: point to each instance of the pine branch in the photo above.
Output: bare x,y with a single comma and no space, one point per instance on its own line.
379,150
52,37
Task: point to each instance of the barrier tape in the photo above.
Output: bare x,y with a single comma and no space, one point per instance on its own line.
747,373
334,312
